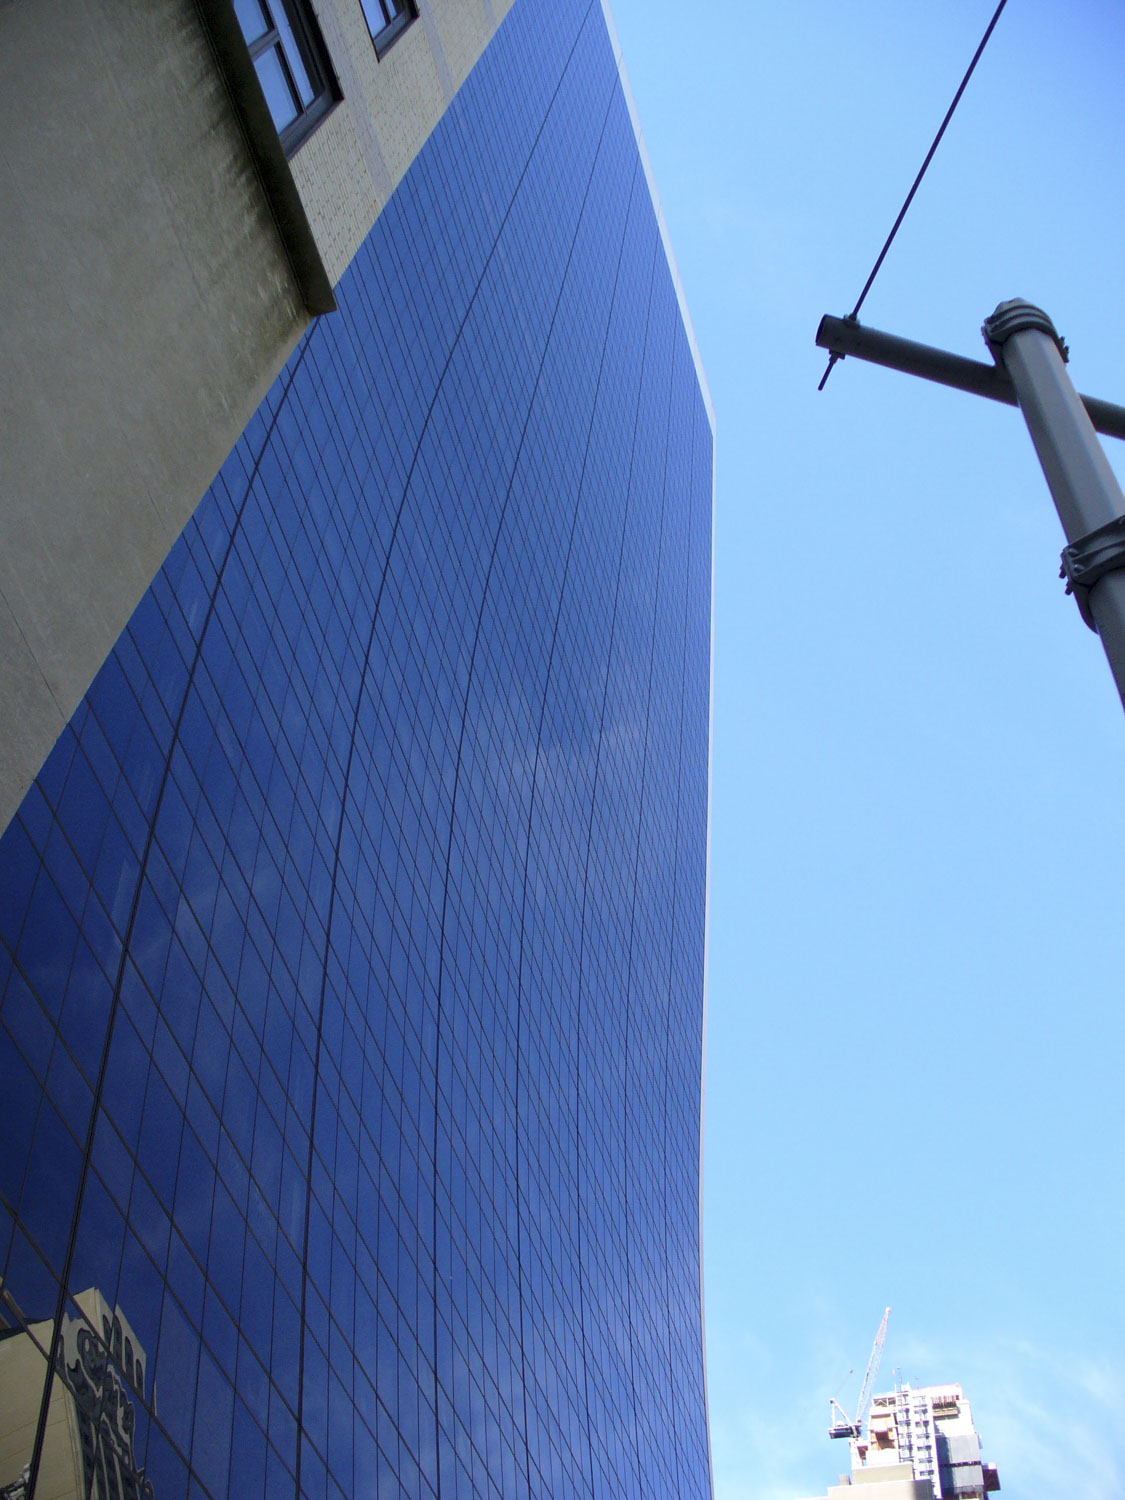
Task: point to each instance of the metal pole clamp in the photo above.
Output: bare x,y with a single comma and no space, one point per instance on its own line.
1091,557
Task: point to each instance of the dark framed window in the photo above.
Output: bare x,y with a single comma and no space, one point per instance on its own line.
292,64
387,20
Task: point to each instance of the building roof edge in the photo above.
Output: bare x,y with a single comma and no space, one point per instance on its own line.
631,103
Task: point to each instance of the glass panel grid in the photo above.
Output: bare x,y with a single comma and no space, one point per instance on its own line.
352,937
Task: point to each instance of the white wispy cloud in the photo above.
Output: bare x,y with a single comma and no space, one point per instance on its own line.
1051,1420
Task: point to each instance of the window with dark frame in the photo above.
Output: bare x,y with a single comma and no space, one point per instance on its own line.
292,65
387,20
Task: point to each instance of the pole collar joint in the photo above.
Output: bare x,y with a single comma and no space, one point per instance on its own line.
1091,557
1018,316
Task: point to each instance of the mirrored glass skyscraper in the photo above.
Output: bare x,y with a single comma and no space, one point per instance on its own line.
352,933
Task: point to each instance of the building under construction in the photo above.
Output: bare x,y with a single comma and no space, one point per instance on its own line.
918,1444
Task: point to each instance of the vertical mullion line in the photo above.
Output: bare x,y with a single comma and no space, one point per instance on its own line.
594,795
348,771
672,1387
539,732
127,937
709,573
636,881
461,743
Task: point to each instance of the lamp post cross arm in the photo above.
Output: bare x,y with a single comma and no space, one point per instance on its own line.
1030,372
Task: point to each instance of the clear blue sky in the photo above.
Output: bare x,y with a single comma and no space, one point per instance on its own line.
917,962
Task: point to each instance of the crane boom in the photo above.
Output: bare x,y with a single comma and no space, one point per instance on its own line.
872,1371
841,1425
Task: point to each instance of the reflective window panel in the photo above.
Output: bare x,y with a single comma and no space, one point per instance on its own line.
352,936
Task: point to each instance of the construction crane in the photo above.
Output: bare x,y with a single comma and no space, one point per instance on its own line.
842,1426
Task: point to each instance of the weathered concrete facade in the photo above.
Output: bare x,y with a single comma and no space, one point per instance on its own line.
153,295
150,303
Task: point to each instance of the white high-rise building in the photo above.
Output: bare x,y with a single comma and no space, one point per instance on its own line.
919,1443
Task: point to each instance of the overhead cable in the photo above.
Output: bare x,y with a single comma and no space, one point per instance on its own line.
917,181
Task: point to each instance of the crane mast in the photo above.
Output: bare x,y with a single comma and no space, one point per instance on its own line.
841,1425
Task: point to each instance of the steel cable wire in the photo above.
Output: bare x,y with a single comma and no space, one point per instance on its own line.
832,358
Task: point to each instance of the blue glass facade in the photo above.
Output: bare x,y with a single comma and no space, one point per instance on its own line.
352,937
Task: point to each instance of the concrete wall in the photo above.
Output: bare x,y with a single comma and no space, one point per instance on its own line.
150,300
149,303
887,1489
890,1482
23,1373
881,1482
23,1368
